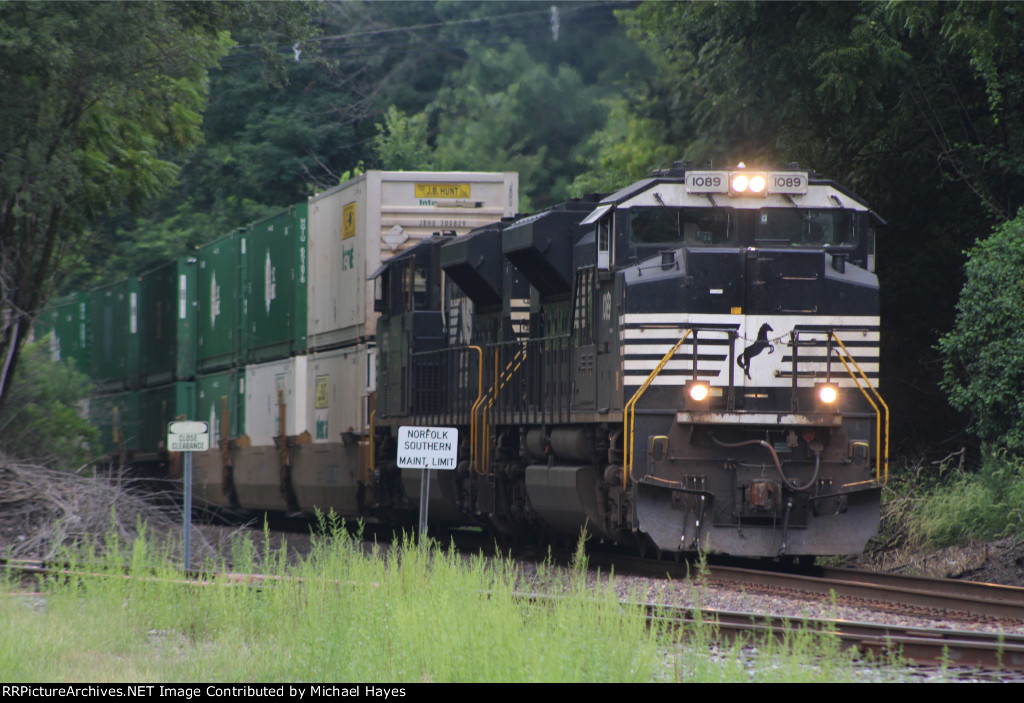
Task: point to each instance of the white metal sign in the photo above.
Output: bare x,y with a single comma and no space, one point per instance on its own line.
188,436
707,181
428,447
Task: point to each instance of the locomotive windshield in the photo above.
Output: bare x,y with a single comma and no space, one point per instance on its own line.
810,228
699,226
723,226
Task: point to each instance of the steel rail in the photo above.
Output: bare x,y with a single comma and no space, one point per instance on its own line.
916,645
910,593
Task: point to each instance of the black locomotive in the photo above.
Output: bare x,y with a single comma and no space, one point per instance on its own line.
690,363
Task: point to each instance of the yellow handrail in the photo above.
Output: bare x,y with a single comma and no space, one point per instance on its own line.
479,439
879,470
629,414
479,397
373,448
488,402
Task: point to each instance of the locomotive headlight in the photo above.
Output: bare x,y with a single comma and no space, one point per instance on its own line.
828,394
742,183
698,392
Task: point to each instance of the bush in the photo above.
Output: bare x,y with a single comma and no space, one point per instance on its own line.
984,352
968,506
41,419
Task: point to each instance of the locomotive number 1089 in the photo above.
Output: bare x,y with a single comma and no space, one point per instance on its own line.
690,363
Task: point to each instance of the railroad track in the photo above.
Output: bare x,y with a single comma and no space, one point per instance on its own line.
942,600
927,647
913,595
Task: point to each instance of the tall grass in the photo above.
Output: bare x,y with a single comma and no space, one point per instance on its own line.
410,613
957,506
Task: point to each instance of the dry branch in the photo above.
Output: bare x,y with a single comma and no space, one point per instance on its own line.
43,510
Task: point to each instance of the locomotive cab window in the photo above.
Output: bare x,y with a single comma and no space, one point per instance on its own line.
695,226
805,228
401,287
871,246
604,243
419,288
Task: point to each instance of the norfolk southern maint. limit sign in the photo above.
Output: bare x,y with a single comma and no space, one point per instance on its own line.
428,447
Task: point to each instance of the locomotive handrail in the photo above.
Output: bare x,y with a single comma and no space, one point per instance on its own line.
629,412
479,397
484,404
373,444
879,470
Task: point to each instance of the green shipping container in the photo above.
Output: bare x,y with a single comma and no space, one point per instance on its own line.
66,320
276,269
219,303
167,323
116,414
160,406
217,393
113,324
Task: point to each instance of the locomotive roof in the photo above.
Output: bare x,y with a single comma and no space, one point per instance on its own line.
672,192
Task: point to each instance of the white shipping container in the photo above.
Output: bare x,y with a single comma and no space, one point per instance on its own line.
340,382
263,386
359,224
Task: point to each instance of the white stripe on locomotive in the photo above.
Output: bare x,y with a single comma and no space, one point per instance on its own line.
647,337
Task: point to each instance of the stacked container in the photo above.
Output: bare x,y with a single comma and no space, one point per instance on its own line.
323,367
268,334
67,323
275,256
219,303
167,323
114,325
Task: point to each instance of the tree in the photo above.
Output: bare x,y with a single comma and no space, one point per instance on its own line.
402,142
984,352
275,133
96,95
99,98
504,110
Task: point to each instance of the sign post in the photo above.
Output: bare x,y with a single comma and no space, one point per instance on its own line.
188,436
427,448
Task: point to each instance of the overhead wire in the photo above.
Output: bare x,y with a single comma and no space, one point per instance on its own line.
396,40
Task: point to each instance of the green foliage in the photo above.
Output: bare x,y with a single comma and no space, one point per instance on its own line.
401,142
957,506
86,120
42,420
503,110
841,86
627,149
984,352
96,98
361,85
418,613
